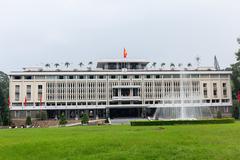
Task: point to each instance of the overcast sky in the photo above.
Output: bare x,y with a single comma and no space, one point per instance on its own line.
33,33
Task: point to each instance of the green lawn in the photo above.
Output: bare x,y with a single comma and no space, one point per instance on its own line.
221,142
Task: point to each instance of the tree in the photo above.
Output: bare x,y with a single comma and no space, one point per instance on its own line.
47,65
235,109
236,74
56,65
90,63
163,64
85,118
28,121
80,64
154,64
4,93
180,65
67,64
236,112
189,65
219,114
172,65
62,120
198,60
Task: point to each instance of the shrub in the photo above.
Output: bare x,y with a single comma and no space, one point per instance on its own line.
219,114
28,121
235,109
236,112
176,122
62,120
42,115
1,122
84,118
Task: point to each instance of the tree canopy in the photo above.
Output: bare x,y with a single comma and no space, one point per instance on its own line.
4,92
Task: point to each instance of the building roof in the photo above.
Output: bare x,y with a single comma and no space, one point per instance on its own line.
106,61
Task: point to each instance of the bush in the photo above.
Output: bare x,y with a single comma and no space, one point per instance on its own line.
42,115
62,120
28,121
5,119
235,111
176,122
84,118
219,114
1,122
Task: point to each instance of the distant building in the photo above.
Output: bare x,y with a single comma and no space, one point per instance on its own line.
116,88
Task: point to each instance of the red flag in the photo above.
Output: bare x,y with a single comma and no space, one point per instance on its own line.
25,101
238,96
125,53
9,102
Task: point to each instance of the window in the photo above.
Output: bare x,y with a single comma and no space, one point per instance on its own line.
136,76
17,92
39,77
91,77
214,85
157,76
176,75
224,85
39,86
51,77
124,76
28,92
224,89
205,93
16,77
81,77
223,75
71,77
40,92
195,75
101,77
28,77
167,76
148,76
112,66
135,92
113,77
215,93
214,75
204,84
60,77
215,89
204,76
115,92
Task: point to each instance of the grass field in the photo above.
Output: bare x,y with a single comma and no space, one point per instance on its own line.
221,142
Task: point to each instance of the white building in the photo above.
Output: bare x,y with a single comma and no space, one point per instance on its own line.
116,88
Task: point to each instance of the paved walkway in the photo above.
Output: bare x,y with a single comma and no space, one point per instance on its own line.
118,121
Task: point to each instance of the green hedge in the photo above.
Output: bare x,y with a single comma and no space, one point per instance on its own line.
176,122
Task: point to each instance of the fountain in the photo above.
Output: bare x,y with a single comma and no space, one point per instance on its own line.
188,106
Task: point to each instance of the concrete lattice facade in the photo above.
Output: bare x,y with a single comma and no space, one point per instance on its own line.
100,90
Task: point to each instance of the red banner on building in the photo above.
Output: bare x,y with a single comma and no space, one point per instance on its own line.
25,101
238,96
